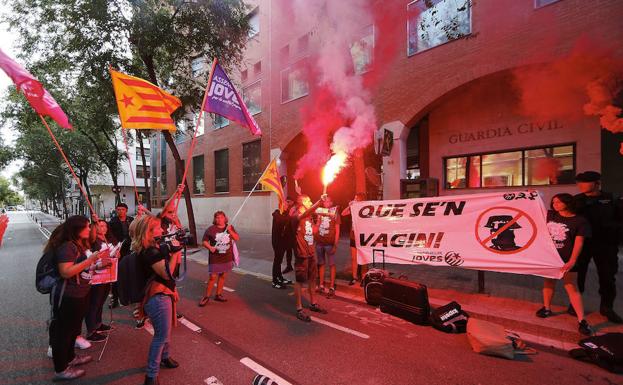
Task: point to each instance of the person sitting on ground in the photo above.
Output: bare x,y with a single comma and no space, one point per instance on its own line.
218,239
281,243
161,293
357,270
327,238
69,242
568,232
305,263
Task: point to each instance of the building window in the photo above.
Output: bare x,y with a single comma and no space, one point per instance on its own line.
244,75
254,22
252,96
435,22
257,68
294,82
218,121
154,174
198,66
221,171
142,171
147,154
362,51
543,3
179,173
198,175
251,159
529,167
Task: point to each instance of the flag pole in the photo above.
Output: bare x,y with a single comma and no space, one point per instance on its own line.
58,146
127,153
194,141
250,192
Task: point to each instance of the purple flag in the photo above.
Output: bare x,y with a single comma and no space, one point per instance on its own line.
223,99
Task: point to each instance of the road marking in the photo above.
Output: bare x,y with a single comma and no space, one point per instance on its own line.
190,325
229,289
259,369
340,328
258,275
46,233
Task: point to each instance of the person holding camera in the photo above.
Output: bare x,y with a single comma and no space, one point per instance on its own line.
218,239
70,241
160,294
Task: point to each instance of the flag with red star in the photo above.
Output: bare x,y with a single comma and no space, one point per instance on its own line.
143,105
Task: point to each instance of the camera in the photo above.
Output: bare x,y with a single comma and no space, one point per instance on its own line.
166,240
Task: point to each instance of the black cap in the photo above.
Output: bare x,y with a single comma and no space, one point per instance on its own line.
588,176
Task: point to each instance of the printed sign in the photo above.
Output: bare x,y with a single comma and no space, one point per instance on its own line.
504,232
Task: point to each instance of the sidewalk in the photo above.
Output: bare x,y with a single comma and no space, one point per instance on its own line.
509,299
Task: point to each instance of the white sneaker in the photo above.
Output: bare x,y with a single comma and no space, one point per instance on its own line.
82,343
50,352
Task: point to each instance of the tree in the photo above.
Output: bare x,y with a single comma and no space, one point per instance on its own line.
8,197
152,39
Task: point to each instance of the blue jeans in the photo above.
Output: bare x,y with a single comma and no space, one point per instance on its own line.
159,309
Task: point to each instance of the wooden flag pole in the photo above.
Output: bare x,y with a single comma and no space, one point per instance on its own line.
58,146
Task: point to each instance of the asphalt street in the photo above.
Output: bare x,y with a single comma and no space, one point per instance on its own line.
256,332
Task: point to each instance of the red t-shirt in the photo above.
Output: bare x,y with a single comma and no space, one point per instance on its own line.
304,236
326,221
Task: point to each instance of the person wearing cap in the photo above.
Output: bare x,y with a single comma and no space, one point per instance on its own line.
605,215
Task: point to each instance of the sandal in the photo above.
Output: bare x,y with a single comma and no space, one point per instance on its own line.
204,301
219,298
315,308
300,314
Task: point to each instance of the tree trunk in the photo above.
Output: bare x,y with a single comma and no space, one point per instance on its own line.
149,64
139,137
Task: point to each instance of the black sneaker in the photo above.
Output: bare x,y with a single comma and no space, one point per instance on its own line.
544,313
278,285
300,314
169,363
611,315
104,328
96,337
571,311
285,281
179,315
585,328
315,308
287,270
219,298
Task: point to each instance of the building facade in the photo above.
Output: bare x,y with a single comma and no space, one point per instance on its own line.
449,101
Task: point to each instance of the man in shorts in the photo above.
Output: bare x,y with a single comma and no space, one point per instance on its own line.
305,258
327,238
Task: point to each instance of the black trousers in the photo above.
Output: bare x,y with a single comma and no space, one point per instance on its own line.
97,298
64,329
607,263
280,250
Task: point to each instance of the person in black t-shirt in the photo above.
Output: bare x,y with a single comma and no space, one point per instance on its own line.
605,214
120,225
160,294
568,232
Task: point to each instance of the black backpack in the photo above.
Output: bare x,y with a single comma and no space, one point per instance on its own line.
47,276
606,351
449,318
131,279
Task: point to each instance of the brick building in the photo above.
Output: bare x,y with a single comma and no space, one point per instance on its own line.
450,103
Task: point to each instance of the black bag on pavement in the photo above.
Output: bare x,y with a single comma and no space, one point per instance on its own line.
405,299
131,279
373,283
606,351
449,318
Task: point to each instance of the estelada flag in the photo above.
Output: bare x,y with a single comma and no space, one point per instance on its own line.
143,105
223,99
38,97
270,180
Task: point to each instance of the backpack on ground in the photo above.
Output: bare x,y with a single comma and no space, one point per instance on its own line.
606,351
131,279
493,340
449,318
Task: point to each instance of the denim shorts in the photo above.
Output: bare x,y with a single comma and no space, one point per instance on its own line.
323,252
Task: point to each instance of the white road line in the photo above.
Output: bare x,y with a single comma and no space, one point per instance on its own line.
258,275
340,328
190,325
229,289
259,369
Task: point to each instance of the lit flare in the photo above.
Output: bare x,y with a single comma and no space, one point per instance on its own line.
332,168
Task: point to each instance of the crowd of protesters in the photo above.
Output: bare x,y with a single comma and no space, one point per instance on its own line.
583,227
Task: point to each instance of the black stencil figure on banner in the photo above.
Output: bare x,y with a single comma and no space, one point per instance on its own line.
504,240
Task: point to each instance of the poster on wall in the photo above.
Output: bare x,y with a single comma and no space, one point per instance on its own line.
504,232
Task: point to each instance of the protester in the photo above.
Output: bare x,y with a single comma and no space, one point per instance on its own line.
305,263
120,230
93,320
4,222
357,270
605,215
160,294
69,242
568,231
327,238
281,237
218,240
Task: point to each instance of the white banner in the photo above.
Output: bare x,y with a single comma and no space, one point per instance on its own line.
503,232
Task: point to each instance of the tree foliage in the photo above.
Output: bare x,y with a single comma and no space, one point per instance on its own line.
8,197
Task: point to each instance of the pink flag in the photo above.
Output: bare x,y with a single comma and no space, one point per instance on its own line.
39,98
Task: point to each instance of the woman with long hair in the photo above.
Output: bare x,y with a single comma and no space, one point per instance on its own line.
218,240
69,242
568,231
160,294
